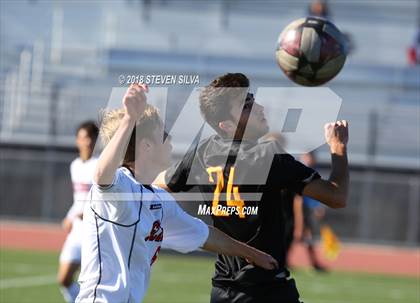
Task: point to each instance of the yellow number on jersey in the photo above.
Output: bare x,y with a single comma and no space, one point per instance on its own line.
235,202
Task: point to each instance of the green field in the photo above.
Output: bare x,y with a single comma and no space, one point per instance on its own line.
30,277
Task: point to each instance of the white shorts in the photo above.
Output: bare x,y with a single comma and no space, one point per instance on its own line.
72,248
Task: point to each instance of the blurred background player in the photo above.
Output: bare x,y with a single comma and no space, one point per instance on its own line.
308,213
319,8
81,171
413,52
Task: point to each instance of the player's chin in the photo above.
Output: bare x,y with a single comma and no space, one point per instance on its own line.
264,129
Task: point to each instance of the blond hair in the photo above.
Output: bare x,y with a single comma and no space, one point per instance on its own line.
146,124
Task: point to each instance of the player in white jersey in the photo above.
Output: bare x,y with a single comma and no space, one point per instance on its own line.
81,171
127,221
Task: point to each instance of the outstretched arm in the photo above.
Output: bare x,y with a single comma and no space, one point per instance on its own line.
185,233
333,192
221,243
134,103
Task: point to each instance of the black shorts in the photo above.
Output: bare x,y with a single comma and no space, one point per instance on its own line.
282,291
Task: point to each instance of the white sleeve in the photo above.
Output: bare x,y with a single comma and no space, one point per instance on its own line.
182,232
75,210
112,203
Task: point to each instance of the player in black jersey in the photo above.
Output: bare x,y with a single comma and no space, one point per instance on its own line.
235,170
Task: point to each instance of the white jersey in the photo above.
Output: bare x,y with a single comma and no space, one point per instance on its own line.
81,177
125,226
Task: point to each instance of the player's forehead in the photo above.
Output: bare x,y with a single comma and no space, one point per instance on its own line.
82,133
245,97
244,105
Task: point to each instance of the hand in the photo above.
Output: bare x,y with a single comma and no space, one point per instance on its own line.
336,134
135,100
263,260
67,225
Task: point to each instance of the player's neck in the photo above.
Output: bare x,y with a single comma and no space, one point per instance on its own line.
144,173
85,155
244,139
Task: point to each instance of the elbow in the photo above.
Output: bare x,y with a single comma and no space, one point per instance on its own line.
97,176
100,178
340,202
103,174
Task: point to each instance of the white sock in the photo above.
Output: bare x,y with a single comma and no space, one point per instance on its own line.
70,293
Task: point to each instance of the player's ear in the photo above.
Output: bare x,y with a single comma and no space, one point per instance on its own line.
227,126
145,145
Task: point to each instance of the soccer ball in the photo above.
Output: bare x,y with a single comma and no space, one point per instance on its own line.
311,51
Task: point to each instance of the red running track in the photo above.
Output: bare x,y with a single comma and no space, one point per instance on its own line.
353,257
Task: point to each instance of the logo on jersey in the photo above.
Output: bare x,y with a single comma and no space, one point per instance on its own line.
155,206
155,256
156,234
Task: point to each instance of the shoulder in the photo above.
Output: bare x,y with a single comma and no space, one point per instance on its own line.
123,181
270,147
201,146
184,164
75,165
123,175
75,162
288,162
163,195
169,204
93,160
79,164
91,163
120,201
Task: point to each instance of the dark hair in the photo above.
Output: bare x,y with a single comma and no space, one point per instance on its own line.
215,98
91,128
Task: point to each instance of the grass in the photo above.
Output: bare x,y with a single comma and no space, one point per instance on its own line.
30,277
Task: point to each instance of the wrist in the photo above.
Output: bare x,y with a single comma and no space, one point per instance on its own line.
248,253
129,119
338,149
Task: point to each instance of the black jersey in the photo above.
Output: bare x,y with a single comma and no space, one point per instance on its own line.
289,217
243,174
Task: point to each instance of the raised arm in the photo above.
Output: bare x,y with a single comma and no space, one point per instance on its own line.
134,103
221,243
333,192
